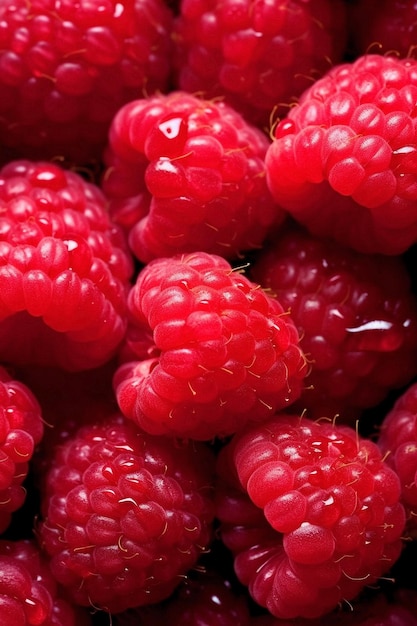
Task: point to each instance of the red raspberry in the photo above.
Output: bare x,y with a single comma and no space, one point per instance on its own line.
125,515
21,429
398,440
64,270
344,160
383,26
356,316
259,55
29,595
186,174
310,511
397,609
226,353
66,67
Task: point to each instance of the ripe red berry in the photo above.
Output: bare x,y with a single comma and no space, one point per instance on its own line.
258,55
29,594
224,352
398,440
343,162
21,429
185,174
64,270
356,316
125,515
66,67
311,512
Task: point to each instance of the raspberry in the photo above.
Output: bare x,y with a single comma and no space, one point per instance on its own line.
259,56
226,353
343,161
125,515
185,174
21,429
29,595
310,511
356,316
64,270
398,440
66,67
397,609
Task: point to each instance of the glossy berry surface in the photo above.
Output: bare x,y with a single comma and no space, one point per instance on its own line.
398,440
21,429
343,160
356,316
64,269
67,66
124,514
311,512
259,56
29,593
224,352
185,174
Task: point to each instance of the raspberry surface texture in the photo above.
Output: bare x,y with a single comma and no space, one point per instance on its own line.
311,512
125,515
259,56
21,430
67,66
64,269
185,174
343,162
398,440
225,353
29,593
356,315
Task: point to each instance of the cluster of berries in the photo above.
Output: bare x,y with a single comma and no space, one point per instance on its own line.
208,312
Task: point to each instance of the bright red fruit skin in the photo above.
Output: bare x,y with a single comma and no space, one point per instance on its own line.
259,56
185,174
356,315
310,511
125,515
343,162
64,270
223,352
29,594
67,66
21,430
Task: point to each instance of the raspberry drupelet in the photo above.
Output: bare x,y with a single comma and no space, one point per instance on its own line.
310,511
67,66
30,596
21,429
258,55
398,441
125,515
184,174
343,161
64,270
222,352
356,315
